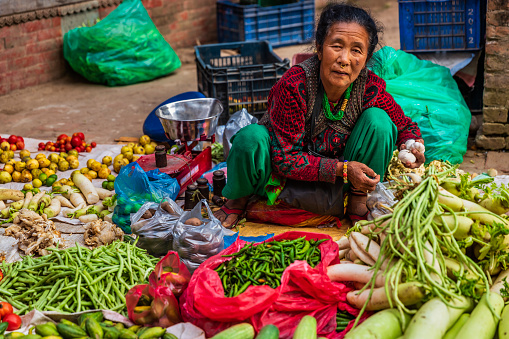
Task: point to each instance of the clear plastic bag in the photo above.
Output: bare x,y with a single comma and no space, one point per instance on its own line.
156,233
195,244
237,121
380,201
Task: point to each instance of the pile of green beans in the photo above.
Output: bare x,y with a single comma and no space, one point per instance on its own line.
342,320
76,279
264,264
414,243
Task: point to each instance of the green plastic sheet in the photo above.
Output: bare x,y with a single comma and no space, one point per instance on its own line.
124,48
429,95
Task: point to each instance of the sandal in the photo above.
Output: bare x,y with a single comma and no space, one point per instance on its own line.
229,211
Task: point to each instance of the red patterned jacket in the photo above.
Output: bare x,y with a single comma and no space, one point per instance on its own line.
287,111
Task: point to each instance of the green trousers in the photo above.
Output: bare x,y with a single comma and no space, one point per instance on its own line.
249,164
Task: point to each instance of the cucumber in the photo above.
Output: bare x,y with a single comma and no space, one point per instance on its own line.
93,328
306,328
46,330
127,334
268,332
152,332
98,316
70,332
239,331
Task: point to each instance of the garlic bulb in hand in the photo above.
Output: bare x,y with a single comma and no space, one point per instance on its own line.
406,156
411,144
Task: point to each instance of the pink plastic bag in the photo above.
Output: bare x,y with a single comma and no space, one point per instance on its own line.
304,291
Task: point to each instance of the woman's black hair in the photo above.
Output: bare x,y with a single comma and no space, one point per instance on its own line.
339,12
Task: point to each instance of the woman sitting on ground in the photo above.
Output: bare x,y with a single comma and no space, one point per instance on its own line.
329,121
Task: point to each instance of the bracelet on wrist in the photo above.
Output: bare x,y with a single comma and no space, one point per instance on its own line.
345,171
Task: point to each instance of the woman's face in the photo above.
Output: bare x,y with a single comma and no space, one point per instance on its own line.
343,55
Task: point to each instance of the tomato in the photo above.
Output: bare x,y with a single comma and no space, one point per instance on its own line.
5,308
20,145
41,144
93,144
13,320
13,147
12,139
76,141
82,136
21,138
52,148
1,277
62,137
68,147
88,149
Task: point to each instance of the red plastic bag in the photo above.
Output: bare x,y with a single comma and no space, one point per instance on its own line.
304,291
171,272
156,304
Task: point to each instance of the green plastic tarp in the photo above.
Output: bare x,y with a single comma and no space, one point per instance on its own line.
124,48
429,95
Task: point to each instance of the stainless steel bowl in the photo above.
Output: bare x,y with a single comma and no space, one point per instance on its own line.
189,120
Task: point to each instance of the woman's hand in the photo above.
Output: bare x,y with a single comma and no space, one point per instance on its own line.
359,176
419,156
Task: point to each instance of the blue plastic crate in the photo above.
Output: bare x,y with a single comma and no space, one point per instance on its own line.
282,25
439,25
239,74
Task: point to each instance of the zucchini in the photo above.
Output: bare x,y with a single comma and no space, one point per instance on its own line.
268,332
239,331
306,328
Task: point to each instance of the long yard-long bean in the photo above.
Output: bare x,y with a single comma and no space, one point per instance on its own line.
71,280
412,237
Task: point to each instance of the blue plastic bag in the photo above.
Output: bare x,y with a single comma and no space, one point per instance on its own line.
134,187
428,94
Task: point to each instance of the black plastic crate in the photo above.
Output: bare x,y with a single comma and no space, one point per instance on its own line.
239,74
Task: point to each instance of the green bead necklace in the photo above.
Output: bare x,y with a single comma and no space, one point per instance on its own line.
341,112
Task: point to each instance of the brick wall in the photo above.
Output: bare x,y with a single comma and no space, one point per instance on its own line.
494,134
31,50
31,53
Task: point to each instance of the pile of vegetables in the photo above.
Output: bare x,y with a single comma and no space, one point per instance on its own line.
42,203
264,264
9,320
86,203
34,233
66,143
435,256
76,279
12,143
93,325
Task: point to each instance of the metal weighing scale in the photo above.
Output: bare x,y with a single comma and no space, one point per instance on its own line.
188,122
